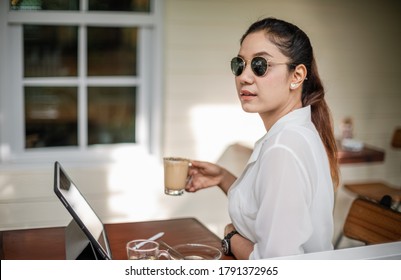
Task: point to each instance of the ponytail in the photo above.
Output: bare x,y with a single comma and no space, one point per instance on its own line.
313,95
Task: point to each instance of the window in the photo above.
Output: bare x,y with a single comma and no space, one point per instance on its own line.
83,81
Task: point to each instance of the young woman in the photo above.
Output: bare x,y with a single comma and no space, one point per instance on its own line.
282,204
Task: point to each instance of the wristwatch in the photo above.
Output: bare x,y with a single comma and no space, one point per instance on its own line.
225,243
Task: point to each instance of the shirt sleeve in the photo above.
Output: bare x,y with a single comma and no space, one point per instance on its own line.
283,223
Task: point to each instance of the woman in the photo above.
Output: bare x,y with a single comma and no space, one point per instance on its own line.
282,204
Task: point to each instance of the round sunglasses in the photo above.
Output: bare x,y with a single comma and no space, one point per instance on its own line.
259,65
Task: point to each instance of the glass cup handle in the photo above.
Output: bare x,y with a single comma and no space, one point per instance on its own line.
164,253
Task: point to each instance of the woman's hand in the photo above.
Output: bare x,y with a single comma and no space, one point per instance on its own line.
205,174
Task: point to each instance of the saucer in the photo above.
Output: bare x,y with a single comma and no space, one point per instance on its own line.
192,251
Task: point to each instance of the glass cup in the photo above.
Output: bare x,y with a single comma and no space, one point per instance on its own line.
175,175
143,249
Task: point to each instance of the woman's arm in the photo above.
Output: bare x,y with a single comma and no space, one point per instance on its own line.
240,247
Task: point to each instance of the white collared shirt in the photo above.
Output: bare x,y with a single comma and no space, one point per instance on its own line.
283,201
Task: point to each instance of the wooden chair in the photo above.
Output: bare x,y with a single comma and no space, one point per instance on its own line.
377,190
396,141
372,223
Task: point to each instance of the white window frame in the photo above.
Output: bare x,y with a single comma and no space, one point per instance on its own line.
148,83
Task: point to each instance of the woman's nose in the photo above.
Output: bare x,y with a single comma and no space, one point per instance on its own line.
247,76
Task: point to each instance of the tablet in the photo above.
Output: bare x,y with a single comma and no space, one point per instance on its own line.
81,212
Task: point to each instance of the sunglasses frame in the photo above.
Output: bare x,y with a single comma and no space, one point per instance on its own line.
244,63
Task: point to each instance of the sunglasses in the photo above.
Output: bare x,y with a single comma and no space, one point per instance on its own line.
259,65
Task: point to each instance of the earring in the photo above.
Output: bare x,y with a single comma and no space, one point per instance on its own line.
293,85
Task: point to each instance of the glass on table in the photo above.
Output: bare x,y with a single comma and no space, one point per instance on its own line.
143,249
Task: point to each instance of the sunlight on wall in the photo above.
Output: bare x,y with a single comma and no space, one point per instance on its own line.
135,181
6,189
215,127
5,151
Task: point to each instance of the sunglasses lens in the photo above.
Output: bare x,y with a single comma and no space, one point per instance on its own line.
259,66
237,66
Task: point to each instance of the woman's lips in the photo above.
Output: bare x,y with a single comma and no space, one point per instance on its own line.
247,95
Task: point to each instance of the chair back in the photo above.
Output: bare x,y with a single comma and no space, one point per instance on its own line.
372,223
396,139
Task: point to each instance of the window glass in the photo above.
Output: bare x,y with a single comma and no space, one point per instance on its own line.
111,115
112,51
80,75
120,5
50,51
47,5
51,117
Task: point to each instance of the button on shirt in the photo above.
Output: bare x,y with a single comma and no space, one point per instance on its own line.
283,201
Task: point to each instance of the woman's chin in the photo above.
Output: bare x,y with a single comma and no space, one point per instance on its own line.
248,109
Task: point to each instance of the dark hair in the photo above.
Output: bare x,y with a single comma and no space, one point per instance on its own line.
295,44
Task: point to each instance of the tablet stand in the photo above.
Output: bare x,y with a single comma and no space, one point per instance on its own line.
77,244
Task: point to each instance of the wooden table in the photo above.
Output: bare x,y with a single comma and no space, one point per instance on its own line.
49,243
366,155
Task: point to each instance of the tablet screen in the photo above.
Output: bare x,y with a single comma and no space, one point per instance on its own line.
81,211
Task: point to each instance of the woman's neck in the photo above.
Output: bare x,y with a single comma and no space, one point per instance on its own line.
271,117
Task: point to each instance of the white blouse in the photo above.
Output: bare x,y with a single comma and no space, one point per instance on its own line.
283,201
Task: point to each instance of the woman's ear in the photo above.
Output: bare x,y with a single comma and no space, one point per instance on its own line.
298,76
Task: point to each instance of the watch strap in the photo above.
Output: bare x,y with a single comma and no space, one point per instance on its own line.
227,240
230,234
